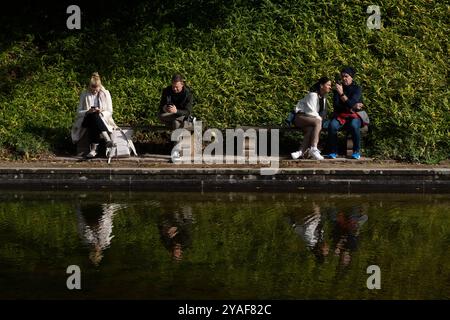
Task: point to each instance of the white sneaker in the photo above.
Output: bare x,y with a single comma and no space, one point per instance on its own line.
297,154
315,154
93,151
91,154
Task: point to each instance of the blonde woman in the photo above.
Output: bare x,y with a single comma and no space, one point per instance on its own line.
94,116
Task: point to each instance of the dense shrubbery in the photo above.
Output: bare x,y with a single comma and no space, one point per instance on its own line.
247,61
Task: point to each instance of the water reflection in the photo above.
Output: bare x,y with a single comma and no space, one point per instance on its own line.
344,226
175,229
95,224
223,247
311,230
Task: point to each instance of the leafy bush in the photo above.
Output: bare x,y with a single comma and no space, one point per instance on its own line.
248,62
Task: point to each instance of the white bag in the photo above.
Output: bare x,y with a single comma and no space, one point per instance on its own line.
123,146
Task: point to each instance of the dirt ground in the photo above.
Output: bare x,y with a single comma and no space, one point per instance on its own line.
163,162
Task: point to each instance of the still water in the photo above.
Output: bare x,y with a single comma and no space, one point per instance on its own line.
224,245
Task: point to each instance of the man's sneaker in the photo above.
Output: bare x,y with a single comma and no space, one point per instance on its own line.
356,155
332,156
297,154
315,154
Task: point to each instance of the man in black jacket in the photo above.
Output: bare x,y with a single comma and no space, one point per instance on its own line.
176,103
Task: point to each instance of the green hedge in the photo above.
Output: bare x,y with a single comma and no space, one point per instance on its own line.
248,62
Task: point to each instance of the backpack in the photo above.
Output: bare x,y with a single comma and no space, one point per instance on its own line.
365,121
123,146
289,121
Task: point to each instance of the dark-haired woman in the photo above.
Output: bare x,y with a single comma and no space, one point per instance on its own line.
309,114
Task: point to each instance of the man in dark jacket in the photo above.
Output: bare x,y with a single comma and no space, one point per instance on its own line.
176,103
346,100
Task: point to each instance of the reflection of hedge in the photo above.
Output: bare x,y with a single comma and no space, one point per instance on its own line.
247,61
243,246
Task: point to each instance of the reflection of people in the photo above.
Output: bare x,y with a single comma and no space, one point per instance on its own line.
174,228
95,223
345,233
94,116
346,100
310,111
312,232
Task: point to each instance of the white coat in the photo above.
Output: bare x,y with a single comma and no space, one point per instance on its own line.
309,105
106,110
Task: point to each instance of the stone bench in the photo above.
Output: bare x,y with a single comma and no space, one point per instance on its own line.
83,145
348,138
